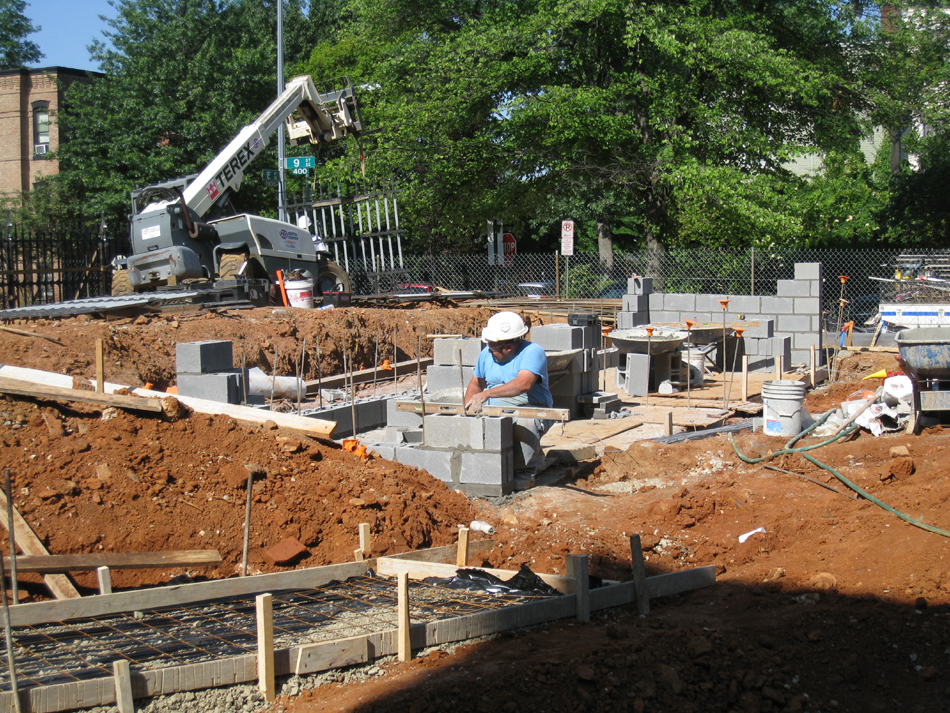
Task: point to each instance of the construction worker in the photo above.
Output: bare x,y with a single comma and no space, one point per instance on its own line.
512,371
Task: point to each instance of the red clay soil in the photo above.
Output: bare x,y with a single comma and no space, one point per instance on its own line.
837,605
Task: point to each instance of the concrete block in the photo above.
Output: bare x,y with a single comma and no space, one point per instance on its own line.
639,285
807,305
793,288
629,320
497,433
745,304
557,337
445,351
772,306
224,387
793,323
637,376
657,300
440,377
782,346
750,345
816,288
567,385
680,302
445,431
800,357
764,329
401,419
609,358
205,357
383,450
808,271
470,348
804,341
487,468
437,463
589,382
636,303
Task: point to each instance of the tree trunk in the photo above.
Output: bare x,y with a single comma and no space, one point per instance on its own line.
605,243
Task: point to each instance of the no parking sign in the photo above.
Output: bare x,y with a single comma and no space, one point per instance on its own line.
567,237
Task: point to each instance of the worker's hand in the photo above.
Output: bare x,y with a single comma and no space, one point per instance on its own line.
476,402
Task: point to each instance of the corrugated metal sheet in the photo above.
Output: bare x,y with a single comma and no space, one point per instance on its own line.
91,305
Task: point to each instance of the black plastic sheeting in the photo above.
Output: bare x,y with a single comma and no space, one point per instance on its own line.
525,584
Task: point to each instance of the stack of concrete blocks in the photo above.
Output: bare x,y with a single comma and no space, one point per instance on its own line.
599,404
636,303
370,414
453,363
205,371
643,373
473,454
788,323
581,374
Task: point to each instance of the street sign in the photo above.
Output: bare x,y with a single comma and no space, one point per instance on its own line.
270,174
302,162
567,237
510,248
300,171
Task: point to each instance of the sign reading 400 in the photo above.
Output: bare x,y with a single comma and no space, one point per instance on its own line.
301,162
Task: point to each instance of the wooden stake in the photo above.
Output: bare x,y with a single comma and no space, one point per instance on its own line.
266,682
273,379
669,423
461,559
745,377
366,542
247,522
123,686
404,644
811,364
639,575
778,367
577,568
100,368
319,375
104,574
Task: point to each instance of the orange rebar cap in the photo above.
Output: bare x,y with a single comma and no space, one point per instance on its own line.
385,365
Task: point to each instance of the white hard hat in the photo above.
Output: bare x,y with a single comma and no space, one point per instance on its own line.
504,326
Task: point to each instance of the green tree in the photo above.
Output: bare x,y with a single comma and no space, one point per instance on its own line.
15,50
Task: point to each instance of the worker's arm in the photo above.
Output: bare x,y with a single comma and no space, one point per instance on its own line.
476,394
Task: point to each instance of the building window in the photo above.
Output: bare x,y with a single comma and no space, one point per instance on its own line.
40,128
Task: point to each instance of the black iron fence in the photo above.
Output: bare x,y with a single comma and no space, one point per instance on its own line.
47,267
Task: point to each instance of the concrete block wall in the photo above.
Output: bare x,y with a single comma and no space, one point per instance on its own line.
370,414
581,374
205,371
789,322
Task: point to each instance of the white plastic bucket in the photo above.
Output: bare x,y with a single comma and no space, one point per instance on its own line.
695,361
299,293
783,400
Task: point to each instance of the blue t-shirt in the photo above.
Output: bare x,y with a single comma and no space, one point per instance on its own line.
531,358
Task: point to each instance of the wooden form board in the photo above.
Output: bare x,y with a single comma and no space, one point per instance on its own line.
57,393
553,414
52,564
29,544
364,376
330,654
287,422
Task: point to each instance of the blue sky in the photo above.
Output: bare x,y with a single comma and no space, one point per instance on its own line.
68,27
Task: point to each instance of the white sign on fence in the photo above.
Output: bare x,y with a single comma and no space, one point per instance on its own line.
567,237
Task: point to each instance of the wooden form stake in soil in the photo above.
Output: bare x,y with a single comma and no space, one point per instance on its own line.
639,576
100,368
319,375
577,567
123,686
266,679
461,559
811,364
668,430
30,544
404,645
8,489
778,367
104,575
366,544
745,378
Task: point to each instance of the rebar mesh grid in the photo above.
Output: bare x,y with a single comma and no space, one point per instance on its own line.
84,649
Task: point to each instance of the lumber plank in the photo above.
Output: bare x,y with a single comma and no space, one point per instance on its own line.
392,566
365,375
101,605
685,580
447,554
29,544
552,414
51,564
404,644
266,680
331,654
639,575
577,567
123,686
56,393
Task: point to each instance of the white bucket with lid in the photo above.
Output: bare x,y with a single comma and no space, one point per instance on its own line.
783,401
695,362
299,293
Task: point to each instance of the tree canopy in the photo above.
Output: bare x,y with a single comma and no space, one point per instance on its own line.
15,49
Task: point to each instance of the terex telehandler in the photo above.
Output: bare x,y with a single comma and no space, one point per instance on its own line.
177,236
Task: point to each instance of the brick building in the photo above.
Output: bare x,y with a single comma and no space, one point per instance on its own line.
30,100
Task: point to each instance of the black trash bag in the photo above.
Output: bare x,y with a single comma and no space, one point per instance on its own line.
525,583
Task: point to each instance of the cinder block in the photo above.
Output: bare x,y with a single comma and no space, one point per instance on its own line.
444,431
205,357
470,348
804,341
808,271
745,304
557,337
709,303
680,303
636,303
637,377
629,320
807,305
793,323
487,468
383,450
639,285
439,377
782,346
772,306
445,351
401,419
751,346
657,300
816,288
764,329
793,288
497,433
224,387
437,463
801,357
566,385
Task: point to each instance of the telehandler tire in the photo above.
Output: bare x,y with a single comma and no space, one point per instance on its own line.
229,265
334,279
121,284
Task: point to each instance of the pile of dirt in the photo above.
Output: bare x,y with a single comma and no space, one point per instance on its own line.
89,480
